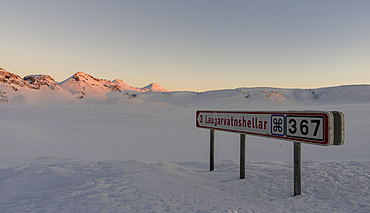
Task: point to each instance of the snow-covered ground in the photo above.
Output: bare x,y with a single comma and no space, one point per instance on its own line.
150,157
52,185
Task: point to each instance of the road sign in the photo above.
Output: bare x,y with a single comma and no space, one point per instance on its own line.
313,127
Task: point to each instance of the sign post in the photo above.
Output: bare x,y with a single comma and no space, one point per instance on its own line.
324,128
297,168
242,156
212,151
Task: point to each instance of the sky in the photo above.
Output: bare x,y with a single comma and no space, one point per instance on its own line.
190,45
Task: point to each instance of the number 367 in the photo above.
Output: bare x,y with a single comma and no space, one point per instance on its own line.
304,126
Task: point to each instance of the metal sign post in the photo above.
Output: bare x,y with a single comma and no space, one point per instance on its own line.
297,168
242,156
323,128
212,151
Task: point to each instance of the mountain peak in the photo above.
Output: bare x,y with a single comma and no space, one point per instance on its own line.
80,84
37,81
84,85
81,76
154,87
155,84
118,81
10,78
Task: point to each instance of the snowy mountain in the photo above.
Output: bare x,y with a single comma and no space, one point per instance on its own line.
30,81
33,89
154,87
84,85
10,78
119,85
37,81
43,89
250,97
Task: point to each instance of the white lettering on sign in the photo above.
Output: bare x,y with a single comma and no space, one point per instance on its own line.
307,126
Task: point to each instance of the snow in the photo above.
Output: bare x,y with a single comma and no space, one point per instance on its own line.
15,94
52,185
150,157
154,87
15,90
83,85
122,150
84,88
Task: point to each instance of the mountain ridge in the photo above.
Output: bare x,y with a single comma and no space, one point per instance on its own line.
43,89
80,85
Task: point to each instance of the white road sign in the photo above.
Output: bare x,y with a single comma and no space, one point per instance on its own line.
314,127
